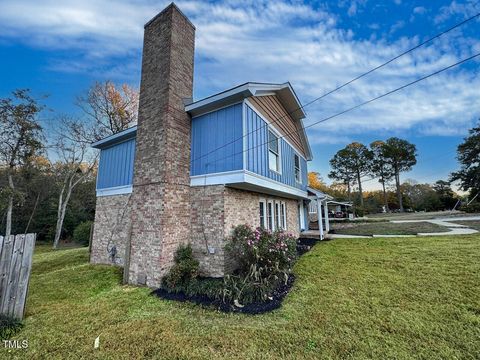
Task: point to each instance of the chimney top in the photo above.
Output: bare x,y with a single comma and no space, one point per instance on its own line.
171,6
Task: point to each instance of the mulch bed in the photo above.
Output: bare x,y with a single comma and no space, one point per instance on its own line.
254,308
303,245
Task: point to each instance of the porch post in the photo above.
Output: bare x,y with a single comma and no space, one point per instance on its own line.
319,216
325,212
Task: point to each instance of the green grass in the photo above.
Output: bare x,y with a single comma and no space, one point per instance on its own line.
472,224
419,215
387,228
353,298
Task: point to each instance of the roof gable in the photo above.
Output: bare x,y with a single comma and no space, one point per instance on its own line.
283,92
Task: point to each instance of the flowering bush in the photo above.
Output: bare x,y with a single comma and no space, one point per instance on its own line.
264,258
271,251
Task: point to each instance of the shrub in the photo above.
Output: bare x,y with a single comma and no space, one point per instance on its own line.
270,252
183,271
209,287
9,327
264,259
81,234
360,211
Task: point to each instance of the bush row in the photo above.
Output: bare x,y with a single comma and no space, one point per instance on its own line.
264,260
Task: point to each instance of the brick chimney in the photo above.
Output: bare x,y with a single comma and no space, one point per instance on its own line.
161,198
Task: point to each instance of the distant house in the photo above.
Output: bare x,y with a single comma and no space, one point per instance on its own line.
192,170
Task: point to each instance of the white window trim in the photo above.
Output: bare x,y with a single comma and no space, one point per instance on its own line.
283,214
279,154
278,215
278,222
265,220
273,214
299,168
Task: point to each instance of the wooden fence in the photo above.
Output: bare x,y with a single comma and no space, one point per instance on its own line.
15,266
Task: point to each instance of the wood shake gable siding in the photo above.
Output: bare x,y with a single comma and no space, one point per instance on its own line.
271,108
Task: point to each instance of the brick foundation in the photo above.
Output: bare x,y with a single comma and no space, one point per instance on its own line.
112,226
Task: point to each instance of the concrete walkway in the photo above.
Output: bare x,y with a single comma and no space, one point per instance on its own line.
455,229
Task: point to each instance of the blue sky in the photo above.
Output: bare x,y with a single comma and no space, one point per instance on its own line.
60,48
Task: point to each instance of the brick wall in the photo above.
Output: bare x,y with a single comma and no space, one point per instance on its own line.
112,226
207,228
161,191
216,210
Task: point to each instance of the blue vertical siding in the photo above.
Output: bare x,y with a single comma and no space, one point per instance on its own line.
116,165
257,153
212,131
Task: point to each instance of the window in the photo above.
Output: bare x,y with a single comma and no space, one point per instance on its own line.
277,215
262,214
283,215
273,152
273,214
270,215
298,177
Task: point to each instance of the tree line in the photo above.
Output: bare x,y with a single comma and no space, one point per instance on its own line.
47,173
385,161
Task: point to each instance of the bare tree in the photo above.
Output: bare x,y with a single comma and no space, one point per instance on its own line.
20,138
76,163
110,109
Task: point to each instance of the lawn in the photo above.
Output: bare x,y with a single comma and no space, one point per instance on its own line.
419,215
353,298
387,228
472,224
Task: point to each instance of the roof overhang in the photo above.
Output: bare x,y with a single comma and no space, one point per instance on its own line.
314,193
284,92
339,203
124,135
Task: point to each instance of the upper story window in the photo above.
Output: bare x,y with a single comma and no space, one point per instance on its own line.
273,152
298,175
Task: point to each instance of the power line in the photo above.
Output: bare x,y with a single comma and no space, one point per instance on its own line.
344,85
359,105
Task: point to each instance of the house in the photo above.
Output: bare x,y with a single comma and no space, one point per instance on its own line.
192,170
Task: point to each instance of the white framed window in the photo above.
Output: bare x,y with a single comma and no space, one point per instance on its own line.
277,215
270,217
273,214
298,174
283,215
273,151
263,213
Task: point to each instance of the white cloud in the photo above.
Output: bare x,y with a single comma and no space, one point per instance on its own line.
238,41
419,10
352,10
464,9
